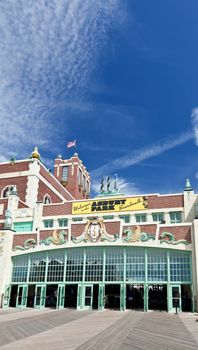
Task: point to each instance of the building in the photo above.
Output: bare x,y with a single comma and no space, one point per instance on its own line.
58,248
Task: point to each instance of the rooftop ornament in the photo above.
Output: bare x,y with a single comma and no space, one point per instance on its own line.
35,154
108,190
188,186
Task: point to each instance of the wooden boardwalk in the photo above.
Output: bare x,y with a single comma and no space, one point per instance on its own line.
92,330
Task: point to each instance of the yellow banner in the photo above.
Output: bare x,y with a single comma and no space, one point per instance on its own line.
109,205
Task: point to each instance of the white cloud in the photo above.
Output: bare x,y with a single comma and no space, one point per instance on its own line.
139,155
125,187
194,117
48,50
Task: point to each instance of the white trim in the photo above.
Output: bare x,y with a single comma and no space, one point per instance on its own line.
16,174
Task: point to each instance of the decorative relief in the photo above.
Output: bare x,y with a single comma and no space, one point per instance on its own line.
29,243
95,231
169,238
2,236
58,238
135,235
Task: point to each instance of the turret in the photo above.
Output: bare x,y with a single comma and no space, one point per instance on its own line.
73,175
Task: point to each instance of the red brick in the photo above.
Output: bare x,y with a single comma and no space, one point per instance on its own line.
9,168
160,202
57,209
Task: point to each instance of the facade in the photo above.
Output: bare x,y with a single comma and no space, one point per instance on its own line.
59,248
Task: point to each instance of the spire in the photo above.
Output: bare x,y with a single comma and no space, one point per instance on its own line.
188,186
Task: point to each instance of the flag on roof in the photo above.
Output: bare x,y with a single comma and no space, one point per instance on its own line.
71,144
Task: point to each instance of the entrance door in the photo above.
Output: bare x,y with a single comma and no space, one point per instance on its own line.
95,303
157,297
112,296
61,296
71,292
135,296
101,297
88,296
21,296
39,301
186,297
176,297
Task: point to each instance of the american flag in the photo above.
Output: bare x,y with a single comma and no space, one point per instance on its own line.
71,144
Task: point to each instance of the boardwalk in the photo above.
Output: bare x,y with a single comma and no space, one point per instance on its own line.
91,330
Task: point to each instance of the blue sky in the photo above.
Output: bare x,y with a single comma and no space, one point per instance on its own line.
119,76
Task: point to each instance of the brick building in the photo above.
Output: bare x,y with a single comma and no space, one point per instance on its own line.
59,248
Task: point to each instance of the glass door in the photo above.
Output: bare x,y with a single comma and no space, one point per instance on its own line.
6,297
39,301
176,297
61,296
101,297
122,297
79,297
88,296
21,296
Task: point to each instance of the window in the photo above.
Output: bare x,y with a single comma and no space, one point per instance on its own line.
65,173
141,217
48,223
175,217
77,219
157,265
126,218
23,226
47,199
84,183
62,222
80,177
158,216
108,217
6,191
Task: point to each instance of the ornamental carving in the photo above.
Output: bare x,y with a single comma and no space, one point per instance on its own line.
95,231
57,238
29,243
134,234
169,238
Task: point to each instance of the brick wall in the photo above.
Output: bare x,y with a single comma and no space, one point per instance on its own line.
9,168
59,209
77,229
112,228
160,202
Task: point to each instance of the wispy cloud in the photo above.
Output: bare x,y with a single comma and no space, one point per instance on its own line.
139,155
125,187
48,49
194,117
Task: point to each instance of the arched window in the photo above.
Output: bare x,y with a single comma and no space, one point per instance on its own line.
6,191
47,199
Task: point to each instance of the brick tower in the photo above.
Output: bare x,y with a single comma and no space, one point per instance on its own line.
73,175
